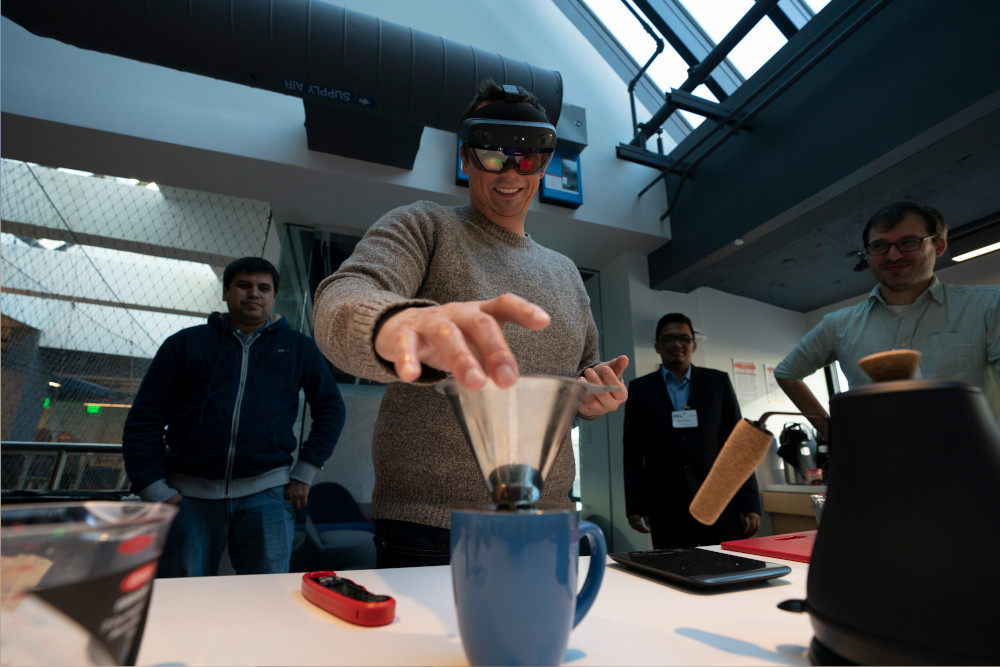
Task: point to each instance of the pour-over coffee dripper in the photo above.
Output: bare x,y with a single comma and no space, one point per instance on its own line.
515,433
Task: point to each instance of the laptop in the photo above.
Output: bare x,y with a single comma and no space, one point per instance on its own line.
790,546
700,568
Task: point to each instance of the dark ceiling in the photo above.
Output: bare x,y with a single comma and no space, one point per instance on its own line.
907,106
807,261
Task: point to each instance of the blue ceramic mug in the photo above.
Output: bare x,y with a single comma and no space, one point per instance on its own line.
515,580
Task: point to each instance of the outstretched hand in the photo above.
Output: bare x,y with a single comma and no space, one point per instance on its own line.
608,373
461,338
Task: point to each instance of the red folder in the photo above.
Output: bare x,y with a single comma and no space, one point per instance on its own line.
790,546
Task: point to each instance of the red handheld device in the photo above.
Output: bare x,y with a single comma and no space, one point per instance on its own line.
345,599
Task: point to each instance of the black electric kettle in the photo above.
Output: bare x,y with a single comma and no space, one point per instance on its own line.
906,564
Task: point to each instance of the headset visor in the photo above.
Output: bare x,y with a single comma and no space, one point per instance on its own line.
498,159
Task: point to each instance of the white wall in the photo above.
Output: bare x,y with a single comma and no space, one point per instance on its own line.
731,327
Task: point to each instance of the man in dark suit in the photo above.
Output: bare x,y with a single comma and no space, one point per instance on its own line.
676,421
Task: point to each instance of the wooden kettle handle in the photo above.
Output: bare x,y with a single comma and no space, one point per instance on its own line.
890,365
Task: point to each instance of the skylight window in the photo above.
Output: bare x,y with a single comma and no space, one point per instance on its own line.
75,172
51,244
718,17
668,70
121,179
712,22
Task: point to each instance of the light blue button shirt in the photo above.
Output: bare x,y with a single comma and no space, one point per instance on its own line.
678,390
956,328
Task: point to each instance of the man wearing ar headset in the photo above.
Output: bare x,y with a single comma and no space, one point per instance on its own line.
433,291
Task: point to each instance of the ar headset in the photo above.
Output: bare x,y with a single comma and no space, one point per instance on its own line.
509,134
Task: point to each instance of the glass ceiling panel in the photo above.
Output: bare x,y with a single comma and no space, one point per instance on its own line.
817,5
667,71
716,18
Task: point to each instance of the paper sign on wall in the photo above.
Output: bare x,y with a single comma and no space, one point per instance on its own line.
774,393
746,381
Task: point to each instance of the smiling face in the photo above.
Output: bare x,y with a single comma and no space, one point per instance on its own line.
905,275
250,297
675,355
503,198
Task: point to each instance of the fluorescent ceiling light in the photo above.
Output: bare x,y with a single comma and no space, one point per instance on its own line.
127,181
54,384
977,252
51,244
108,405
75,172
152,186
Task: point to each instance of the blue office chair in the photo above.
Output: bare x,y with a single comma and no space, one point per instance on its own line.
332,507
332,533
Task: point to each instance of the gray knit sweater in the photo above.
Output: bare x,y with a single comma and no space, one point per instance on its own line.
427,254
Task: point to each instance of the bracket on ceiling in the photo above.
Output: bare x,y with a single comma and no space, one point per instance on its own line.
720,113
647,158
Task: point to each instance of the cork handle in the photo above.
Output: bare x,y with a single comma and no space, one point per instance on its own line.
890,365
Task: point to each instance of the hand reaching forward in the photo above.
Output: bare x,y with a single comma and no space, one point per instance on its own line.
462,338
608,373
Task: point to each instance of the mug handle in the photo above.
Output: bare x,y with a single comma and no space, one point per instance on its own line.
595,574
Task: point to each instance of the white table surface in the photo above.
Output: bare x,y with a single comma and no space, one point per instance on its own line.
264,620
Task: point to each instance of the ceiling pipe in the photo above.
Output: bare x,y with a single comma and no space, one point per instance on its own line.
360,66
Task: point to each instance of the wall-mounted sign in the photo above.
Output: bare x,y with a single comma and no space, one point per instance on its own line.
562,183
328,92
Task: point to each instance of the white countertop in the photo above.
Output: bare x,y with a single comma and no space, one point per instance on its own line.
264,620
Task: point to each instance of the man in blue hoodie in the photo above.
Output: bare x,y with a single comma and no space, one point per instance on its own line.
211,430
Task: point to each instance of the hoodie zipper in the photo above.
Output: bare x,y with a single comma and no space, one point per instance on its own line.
244,365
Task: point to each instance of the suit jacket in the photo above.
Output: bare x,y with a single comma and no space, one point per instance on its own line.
665,466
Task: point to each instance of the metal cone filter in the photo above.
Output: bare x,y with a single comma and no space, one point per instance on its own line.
515,433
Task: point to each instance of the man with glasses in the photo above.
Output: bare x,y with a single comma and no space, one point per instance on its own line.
955,327
677,419
432,291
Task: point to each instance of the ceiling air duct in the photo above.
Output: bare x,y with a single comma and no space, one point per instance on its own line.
369,86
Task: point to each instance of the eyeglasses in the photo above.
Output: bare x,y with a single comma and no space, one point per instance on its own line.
909,244
498,159
670,340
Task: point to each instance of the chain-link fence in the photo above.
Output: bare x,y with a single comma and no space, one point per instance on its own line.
97,272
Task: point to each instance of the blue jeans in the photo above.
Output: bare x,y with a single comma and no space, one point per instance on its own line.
258,528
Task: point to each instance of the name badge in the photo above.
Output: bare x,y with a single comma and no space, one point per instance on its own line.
685,418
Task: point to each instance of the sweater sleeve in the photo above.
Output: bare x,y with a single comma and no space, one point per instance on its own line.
591,354
383,273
